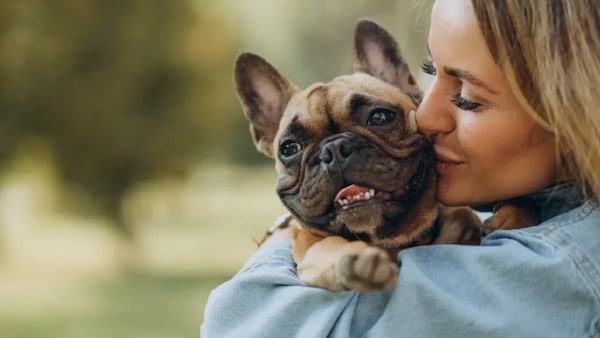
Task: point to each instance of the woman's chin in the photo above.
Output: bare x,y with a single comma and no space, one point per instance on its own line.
453,196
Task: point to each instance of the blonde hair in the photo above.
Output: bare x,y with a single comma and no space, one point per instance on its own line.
549,51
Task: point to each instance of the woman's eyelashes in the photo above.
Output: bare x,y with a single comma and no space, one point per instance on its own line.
463,103
427,67
457,99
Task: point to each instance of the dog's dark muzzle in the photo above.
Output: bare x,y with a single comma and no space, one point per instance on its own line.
396,176
349,153
335,153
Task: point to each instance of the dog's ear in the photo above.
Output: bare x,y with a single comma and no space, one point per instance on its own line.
377,53
264,94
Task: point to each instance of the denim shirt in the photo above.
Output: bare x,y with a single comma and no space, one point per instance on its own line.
541,281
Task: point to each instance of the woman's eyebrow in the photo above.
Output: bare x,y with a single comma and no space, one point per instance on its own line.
465,75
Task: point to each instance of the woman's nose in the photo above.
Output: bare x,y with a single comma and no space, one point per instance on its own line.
435,113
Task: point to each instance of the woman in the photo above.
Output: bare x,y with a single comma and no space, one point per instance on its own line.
511,112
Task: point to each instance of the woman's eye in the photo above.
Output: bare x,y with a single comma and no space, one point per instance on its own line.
427,67
380,117
463,103
289,148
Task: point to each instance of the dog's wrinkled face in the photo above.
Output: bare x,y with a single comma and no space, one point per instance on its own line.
348,155
349,161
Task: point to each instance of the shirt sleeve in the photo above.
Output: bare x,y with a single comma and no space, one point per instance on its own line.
512,286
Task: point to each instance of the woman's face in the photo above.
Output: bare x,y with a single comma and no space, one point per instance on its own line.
487,147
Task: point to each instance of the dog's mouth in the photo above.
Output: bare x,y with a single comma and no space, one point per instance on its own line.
363,209
362,200
355,195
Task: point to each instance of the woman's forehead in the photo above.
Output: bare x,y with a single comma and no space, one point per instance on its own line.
452,12
455,41
453,22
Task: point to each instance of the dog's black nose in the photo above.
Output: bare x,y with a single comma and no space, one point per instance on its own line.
336,151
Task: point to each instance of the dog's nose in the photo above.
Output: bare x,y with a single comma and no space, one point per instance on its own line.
336,151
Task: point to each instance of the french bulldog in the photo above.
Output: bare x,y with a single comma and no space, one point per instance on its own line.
356,176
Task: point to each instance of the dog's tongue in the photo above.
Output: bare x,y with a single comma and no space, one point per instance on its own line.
350,190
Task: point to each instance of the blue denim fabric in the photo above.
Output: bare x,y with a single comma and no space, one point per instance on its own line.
542,281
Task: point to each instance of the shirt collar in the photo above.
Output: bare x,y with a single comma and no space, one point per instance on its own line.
557,199
551,201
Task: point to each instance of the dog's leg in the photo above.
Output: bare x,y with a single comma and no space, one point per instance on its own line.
512,214
336,264
459,225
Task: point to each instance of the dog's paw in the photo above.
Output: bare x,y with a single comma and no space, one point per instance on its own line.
492,224
370,270
512,214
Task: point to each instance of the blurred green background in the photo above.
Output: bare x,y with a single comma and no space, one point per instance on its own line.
129,185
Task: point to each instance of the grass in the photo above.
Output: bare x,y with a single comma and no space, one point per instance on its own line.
63,276
138,304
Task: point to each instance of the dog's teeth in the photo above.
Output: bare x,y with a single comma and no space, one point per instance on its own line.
361,196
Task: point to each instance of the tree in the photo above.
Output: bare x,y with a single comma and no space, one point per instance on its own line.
116,88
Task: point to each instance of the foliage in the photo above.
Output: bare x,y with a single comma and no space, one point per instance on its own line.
118,89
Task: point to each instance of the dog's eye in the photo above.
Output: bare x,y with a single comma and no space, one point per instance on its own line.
380,117
289,148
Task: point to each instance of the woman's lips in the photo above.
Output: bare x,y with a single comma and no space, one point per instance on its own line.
445,160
